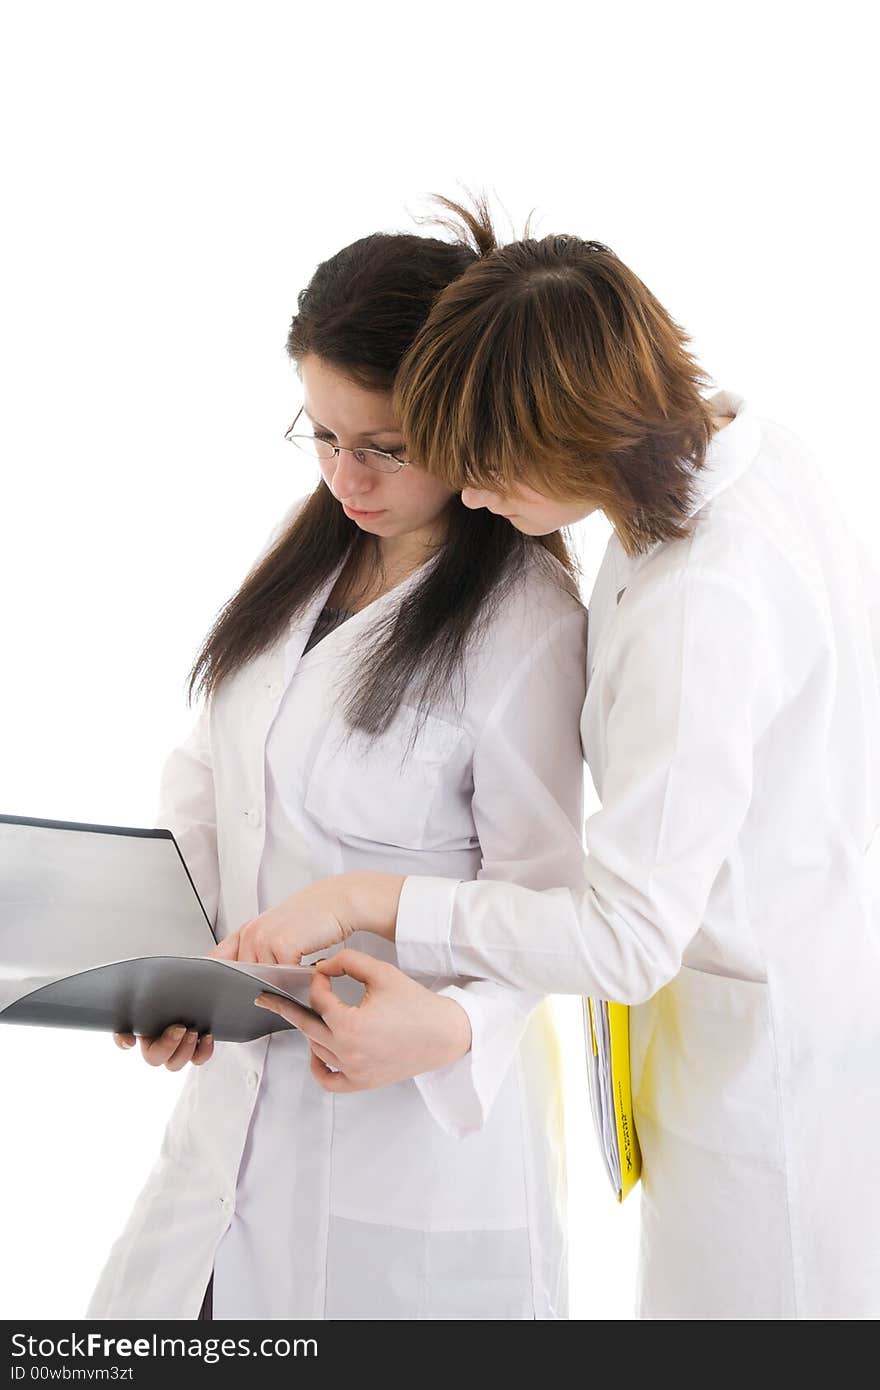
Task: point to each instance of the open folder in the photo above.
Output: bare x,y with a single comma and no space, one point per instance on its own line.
607,1027
101,927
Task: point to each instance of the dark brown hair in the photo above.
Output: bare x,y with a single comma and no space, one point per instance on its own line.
549,362
360,313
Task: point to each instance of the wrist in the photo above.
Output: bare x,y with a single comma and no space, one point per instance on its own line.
457,1036
370,903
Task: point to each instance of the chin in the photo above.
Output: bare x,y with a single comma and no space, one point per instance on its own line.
532,528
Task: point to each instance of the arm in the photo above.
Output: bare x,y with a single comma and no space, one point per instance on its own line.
187,808
527,804
528,811
690,685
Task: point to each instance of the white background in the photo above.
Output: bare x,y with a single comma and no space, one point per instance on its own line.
171,175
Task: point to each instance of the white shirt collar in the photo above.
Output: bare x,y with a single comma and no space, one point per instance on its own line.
730,452
731,449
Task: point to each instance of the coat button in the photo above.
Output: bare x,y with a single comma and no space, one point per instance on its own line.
253,815
273,689
253,1079
226,1204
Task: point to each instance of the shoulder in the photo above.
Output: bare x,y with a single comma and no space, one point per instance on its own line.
737,587
537,624
541,594
278,530
761,537
284,522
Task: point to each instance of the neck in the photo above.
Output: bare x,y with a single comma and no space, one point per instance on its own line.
719,422
403,554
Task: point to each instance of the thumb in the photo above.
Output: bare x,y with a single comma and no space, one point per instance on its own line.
357,964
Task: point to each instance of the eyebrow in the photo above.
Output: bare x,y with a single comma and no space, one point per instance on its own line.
386,429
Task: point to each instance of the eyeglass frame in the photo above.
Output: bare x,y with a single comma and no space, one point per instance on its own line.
344,448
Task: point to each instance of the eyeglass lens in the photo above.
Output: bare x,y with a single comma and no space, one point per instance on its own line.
325,452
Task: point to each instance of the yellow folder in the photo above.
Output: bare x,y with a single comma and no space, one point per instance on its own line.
607,1026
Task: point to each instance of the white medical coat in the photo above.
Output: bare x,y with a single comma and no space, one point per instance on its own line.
371,1205
732,728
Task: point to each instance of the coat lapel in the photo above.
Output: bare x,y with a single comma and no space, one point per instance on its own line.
302,623
338,642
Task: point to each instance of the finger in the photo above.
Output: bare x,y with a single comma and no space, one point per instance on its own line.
330,1080
204,1050
297,1015
247,950
184,1050
227,949
318,1067
357,964
324,1001
124,1039
156,1051
326,1056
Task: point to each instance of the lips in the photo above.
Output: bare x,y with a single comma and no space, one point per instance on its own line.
353,511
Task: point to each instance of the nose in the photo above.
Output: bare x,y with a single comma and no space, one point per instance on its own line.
474,497
347,478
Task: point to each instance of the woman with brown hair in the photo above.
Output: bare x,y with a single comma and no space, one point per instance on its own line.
395,686
732,729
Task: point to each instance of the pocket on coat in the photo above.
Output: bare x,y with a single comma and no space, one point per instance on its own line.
382,790
707,1068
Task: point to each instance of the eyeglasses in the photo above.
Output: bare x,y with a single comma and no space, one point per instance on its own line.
325,451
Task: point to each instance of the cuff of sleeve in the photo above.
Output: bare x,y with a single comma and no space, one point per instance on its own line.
422,934
460,1096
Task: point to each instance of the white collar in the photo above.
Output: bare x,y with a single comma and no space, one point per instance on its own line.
731,449
730,452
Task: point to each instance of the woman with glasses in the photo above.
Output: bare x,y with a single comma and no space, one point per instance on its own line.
394,687
732,728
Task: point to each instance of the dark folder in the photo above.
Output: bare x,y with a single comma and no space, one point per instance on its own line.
101,927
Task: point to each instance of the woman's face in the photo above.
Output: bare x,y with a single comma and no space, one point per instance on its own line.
529,511
385,504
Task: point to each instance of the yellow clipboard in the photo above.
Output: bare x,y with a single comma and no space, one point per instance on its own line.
608,1069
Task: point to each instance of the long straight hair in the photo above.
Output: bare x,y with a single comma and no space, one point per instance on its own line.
360,313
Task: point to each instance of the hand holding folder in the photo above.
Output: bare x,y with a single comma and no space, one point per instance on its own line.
101,927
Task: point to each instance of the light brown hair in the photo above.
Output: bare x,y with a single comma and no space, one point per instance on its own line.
548,362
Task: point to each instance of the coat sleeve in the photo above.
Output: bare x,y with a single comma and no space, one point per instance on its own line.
688,687
187,808
528,811
187,805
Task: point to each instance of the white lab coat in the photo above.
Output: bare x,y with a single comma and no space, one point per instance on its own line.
732,727
371,1205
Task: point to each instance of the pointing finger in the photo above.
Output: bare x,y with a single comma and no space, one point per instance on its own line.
297,1015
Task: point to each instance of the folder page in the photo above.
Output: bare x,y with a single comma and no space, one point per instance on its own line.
102,927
